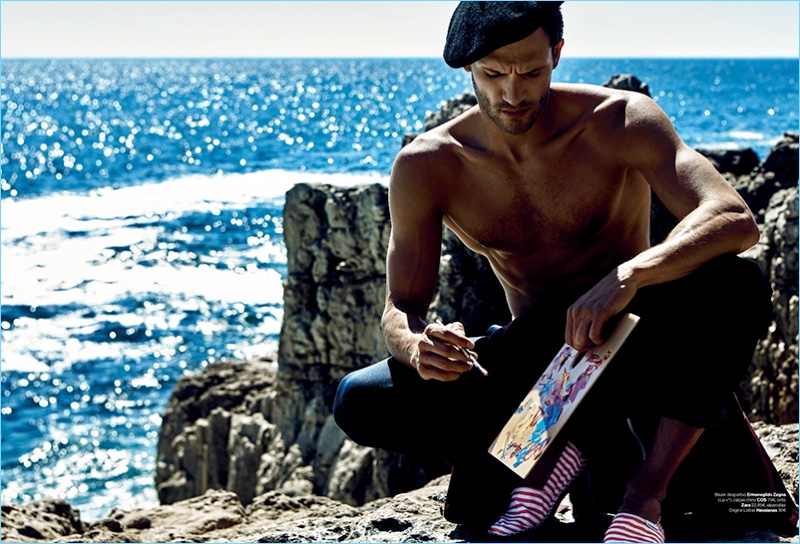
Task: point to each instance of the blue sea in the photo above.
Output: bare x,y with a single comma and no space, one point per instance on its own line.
142,232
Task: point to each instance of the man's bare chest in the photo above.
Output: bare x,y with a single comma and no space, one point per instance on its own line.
560,207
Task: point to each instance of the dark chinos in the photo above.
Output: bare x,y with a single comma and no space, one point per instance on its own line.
691,348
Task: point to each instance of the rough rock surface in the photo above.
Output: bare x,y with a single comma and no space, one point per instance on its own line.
40,520
628,82
219,516
448,110
196,449
740,162
770,390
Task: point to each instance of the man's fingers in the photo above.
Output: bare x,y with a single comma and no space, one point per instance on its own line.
444,352
440,352
435,366
441,356
581,336
583,330
429,372
452,334
577,329
596,336
438,375
569,335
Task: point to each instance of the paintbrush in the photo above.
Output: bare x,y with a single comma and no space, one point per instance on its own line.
466,352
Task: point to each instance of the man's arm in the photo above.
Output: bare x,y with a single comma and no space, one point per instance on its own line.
412,272
713,218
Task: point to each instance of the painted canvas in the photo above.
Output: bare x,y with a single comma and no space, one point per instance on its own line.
549,405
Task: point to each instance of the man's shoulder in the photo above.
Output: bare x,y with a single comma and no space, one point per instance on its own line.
429,144
438,147
624,124
605,109
597,93
422,169
599,99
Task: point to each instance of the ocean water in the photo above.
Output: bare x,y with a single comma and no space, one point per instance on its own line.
142,232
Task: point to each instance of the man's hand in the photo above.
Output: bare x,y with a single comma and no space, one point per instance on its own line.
437,356
590,313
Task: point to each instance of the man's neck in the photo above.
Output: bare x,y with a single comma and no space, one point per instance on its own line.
519,147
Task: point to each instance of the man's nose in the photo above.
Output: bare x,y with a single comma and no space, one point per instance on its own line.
513,92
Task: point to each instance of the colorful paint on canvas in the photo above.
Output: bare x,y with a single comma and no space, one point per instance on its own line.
548,406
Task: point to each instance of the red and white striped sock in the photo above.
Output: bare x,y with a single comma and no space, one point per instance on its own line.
569,465
632,528
530,507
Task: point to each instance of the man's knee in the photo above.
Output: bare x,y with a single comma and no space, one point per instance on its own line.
343,404
355,403
733,274
727,292
742,292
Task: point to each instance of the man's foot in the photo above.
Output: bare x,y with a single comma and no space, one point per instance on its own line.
645,505
530,507
631,528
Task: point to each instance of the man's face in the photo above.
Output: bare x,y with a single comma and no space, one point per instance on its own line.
512,84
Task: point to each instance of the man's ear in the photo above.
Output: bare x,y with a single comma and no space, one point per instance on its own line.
557,53
468,68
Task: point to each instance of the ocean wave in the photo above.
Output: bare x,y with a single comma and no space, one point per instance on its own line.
746,135
25,216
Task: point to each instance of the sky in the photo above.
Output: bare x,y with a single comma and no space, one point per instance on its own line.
156,28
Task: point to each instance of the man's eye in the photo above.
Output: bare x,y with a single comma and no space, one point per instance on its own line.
533,74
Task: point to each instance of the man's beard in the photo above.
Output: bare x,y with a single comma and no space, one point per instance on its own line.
511,125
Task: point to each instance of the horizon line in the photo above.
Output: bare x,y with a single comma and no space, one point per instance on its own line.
388,57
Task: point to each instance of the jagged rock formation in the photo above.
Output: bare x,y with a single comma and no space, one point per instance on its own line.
448,110
770,390
738,163
208,430
628,82
219,516
777,171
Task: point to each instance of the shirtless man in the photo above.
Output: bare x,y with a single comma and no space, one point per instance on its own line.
551,183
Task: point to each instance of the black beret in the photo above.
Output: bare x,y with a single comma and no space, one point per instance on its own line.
478,28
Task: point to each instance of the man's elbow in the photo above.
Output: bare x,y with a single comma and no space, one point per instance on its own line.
385,322
389,311
389,324
749,232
